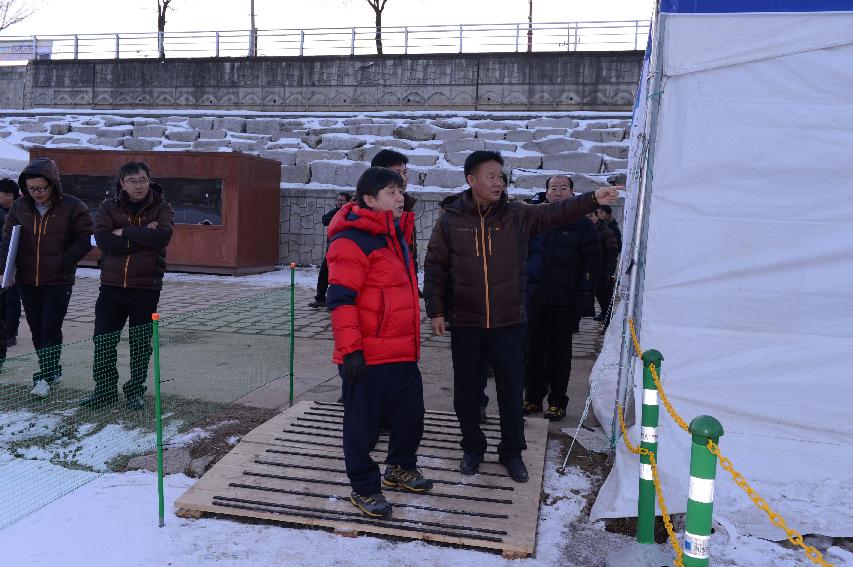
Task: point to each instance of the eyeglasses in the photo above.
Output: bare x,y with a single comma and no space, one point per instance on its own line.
132,181
41,189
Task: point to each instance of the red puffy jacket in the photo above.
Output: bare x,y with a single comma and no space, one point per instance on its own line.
373,288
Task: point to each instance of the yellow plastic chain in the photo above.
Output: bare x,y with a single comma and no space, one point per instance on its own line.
670,530
794,536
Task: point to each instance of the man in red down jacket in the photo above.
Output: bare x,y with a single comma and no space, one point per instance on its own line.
373,299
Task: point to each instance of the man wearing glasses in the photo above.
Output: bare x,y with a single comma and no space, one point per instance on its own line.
132,230
55,235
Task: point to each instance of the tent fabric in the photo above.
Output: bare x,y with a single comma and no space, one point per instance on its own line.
763,6
748,288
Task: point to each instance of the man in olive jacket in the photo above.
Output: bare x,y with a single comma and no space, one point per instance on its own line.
132,230
474,278
55,235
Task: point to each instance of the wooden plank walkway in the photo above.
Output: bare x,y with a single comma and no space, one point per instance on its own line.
291,469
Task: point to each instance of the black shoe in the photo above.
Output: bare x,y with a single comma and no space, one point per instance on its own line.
516,469
411,480
374,506
529,408
135,402
11,341
483,417
470,463
99,399
555,413
317,303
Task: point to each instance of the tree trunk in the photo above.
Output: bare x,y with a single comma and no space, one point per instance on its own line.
161,27
379,31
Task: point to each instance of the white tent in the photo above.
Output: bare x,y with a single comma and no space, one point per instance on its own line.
743,271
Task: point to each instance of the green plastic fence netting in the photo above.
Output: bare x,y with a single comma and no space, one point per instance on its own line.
208,359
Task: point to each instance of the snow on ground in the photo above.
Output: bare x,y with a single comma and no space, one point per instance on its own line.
112,520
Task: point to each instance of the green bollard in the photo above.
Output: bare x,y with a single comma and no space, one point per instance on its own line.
292,323
700,501
158,414
648,440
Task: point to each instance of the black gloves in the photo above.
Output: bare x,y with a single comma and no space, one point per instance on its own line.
354,366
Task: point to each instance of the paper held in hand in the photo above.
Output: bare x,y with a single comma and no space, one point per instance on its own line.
9,272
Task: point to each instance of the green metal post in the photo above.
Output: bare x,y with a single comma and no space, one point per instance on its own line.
158,413
700,500
648,440
292,323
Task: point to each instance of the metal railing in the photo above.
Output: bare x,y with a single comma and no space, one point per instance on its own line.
462,38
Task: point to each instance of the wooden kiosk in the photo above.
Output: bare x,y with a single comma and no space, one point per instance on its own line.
226,204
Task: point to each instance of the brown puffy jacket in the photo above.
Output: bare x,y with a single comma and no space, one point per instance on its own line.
137,258
476,262
50,246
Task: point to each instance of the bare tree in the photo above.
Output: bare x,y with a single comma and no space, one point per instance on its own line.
378,6
162,6
530,28
14,11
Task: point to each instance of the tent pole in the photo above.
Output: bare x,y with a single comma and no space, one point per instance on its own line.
637,266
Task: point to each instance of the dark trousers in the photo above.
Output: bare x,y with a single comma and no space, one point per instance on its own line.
322,281
549,353
472,349
114,306
45,308
604,293
3,335
387,390
12,317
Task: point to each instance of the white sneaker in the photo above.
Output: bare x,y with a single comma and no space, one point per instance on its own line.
41,389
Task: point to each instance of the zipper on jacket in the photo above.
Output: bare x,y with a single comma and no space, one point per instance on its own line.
490,242
485,265
41,232
476,244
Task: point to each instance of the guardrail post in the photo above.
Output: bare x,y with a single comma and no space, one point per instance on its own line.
568,37
352,43
517,35
700,500
76,46
35,47
460,38
217,45
117,47
576,37
648,440
406,41
158,414
636,34
301,42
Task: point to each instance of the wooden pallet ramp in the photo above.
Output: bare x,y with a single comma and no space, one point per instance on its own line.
291,469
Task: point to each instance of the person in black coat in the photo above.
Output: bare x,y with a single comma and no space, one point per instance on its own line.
9,191
341,199
561,271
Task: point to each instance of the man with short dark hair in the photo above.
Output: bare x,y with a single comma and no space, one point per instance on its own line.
605,213
9,191
399,164
341,199
475,272
373,299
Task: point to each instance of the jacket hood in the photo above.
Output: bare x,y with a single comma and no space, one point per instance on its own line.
408,202
40,167
465,201
154,195
354,216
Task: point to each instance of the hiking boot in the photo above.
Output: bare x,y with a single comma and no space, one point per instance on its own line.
555,413
135,402
41,389
530,408
99,399
317,303
515,468
470,463
411,480
483,417
374,506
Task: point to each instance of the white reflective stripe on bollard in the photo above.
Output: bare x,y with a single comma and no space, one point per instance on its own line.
697,546
649,434
650,397
701,490
646,472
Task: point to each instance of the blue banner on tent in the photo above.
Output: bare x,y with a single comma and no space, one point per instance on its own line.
724,6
